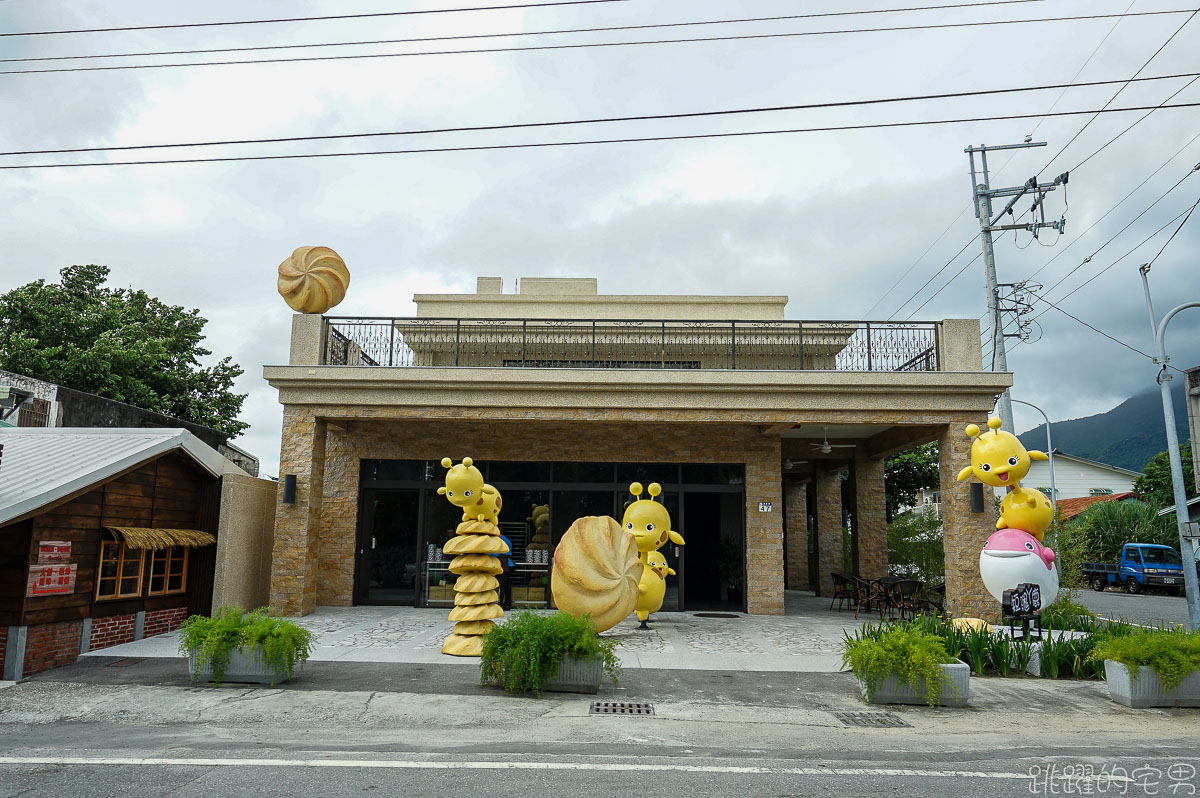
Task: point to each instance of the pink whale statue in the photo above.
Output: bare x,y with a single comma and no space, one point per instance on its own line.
1012,557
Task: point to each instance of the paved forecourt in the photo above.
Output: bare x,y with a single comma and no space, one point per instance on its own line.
807,639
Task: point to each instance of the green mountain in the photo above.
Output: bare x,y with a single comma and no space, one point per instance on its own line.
1126,436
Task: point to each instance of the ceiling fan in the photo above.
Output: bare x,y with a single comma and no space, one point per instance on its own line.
789,464
825,447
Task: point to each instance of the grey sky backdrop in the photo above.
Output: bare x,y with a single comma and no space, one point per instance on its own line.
830,219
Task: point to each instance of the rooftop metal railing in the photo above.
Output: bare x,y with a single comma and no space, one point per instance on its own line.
787,345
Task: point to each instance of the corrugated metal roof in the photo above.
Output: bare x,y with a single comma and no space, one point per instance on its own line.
42,465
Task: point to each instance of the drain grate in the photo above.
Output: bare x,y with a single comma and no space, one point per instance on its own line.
125,663
620,708
715,615
875,720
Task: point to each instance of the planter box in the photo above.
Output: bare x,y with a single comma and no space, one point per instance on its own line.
246,666
1147,690
894,690
576,675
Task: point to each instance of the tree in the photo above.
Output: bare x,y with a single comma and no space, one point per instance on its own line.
906,474
915,545
117,343
1154,485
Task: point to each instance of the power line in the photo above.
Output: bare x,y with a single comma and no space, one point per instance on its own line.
1095,329
1119,203
957,274
311,19
945,266
607,29
1086,124
1128,224
1172,238
586,45
589,121
908,271
628,140
1135,123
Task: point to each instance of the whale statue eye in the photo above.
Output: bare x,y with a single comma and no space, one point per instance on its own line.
467,493
986,467
1012,461
1029,545
649,527
985,543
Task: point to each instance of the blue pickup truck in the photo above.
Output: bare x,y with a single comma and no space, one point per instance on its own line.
1142,565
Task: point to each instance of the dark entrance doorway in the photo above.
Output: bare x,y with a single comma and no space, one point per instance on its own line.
388,563
714,555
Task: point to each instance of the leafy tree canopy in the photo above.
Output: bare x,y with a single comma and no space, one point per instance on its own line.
1154,485
118,343
908,473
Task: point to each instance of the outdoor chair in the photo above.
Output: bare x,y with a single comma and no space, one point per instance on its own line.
934,598
907,597
868,596
842,591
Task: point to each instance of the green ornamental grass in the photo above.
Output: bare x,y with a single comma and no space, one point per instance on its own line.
213,640
1171,654
525,651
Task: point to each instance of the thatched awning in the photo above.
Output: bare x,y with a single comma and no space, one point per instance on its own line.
137,537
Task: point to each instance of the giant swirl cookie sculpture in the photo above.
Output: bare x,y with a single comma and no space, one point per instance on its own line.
313,279
475,592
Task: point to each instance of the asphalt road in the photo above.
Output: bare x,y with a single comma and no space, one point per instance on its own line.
1149,609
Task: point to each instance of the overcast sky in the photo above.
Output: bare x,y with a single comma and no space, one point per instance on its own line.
831,219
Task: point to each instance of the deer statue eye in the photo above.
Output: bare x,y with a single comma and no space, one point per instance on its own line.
467,493
649,527
985,467
1012,461
449,493
629,526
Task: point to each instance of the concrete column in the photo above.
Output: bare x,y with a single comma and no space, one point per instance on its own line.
870,516
14,654
964,532
294,553
308,331
85,636
139,625
829,529
795,497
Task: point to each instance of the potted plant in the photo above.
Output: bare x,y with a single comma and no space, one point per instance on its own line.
238,646
1152,668
905,664
532,652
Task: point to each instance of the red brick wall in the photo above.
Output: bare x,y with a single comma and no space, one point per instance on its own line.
162,621
112,630
51,645
3,645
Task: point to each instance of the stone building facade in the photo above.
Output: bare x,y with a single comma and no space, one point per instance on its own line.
768,412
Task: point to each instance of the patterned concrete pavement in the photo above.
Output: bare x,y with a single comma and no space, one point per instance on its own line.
806,639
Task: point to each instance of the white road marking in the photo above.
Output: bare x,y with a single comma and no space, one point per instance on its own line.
406,764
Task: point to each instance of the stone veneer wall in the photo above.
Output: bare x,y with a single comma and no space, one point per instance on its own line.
870,516
795,497
313,559
830,548
964,532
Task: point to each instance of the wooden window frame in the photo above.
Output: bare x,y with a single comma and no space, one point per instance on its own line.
121,559
171,557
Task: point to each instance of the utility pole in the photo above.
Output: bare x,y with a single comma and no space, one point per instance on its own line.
982,194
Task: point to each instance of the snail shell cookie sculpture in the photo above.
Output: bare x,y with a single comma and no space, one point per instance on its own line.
473,547
313,279
596,572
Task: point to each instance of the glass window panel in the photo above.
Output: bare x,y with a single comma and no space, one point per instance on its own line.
175,582
713,473
572,504
129,568
517,472
409,470
645,473
108,570
158,565
583,472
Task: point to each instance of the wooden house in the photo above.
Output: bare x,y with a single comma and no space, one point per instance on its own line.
106,536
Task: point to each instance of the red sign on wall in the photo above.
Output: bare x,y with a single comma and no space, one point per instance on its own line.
54,551
51,580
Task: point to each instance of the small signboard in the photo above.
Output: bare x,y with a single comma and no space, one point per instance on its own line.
1024,601
54,551
51,580
765,507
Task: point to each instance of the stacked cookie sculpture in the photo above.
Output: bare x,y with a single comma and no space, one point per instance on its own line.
472,548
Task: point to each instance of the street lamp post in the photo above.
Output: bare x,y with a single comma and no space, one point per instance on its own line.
1164,379
1049,454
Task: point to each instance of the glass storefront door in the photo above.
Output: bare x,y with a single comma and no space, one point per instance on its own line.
389,562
